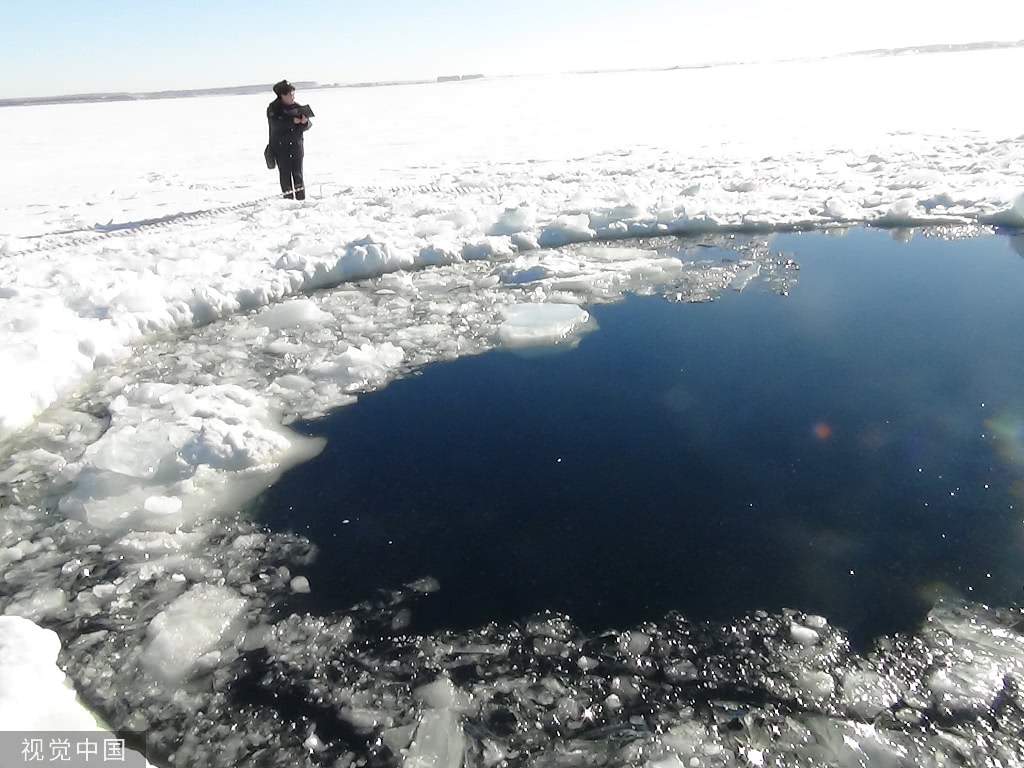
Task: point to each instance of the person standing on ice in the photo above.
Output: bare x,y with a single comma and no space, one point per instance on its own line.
288,123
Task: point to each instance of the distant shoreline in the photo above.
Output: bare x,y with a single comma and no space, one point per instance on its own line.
242,90
230,90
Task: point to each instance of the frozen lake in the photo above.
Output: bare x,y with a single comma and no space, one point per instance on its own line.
745,460
850,449
584,371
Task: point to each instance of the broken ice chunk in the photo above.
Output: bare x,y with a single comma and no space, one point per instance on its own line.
292,313
439,741
866,693
803,635
512,221
162,505
979,653
137,451
442,694
189,628
815,685
567,229
531,324
38,604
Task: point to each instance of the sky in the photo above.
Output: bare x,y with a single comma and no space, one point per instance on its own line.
75,46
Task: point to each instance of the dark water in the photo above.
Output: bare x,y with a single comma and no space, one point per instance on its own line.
854,449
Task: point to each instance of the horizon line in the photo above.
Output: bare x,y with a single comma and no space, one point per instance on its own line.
170,93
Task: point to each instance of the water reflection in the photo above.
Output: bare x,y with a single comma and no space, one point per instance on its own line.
1017,243
834,451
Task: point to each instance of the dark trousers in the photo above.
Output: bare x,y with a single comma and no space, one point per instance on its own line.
289,166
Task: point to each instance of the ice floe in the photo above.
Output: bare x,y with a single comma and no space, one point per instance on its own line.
188,630
529,324
171,452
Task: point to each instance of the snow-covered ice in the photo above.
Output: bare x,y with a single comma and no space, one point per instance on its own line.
35,695
153,373
187,632
412,180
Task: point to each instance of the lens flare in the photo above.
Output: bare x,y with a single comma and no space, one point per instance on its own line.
1007,431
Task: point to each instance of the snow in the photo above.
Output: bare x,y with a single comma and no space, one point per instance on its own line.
298,312
149,463
1011,217
158,369
412,181
566,229
34,693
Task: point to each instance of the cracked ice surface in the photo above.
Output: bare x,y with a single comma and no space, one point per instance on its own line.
586,158
186,630
191,427
155,375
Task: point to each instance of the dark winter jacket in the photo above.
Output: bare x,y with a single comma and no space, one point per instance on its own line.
285,133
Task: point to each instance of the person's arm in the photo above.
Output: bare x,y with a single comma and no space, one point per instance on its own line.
277,121
305,114
284,116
